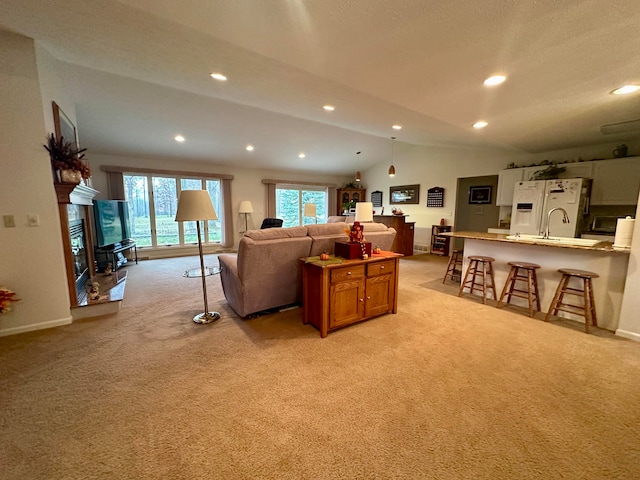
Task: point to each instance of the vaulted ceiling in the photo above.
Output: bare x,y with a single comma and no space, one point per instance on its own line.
138,72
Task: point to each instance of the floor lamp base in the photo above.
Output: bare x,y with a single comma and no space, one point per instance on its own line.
208,317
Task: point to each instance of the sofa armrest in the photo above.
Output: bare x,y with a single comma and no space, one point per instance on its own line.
232,286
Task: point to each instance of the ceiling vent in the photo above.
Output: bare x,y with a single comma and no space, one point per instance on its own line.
622,127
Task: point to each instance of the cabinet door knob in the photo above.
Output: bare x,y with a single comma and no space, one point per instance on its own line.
381,267
368,298
362,299
348,273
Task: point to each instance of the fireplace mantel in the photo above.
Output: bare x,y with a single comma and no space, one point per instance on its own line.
76,194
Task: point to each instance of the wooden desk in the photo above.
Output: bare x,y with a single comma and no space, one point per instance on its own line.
403,243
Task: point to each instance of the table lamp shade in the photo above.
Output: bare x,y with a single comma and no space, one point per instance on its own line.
245,207
195,205
364,212
309,209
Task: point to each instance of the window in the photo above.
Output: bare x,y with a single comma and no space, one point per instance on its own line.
290,202
153,202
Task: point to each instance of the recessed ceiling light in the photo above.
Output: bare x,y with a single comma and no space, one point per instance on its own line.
626,89
179,138
480,124
329,108
494,80
397,127
301,155
249,148
219,76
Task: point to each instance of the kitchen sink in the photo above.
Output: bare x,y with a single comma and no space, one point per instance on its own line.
587,242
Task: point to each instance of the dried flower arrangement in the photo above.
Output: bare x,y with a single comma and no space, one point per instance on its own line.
7,297
66,156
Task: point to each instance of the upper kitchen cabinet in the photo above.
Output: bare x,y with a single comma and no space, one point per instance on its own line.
616,182
506,183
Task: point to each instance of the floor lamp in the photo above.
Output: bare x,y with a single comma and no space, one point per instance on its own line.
195,205
246,208
310,211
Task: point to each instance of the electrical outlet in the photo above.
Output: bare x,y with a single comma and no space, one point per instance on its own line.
9,221
33,220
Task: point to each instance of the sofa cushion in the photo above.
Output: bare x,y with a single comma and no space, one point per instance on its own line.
276,233
327,229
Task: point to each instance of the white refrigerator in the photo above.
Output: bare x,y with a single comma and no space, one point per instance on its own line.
533,200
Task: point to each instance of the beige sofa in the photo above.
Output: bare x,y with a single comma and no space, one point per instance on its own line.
266,272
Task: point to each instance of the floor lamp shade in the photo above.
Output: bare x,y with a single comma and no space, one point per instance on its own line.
309,209
364,212
245,207
195,205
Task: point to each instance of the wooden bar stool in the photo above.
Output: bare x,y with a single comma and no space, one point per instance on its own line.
454,267
588,309
474,269
529,275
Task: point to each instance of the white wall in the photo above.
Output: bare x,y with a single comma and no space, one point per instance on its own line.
32,262
431,167
629,325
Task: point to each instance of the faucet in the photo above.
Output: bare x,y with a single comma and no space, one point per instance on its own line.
565,219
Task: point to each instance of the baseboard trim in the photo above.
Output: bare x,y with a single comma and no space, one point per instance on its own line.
36,326
630,335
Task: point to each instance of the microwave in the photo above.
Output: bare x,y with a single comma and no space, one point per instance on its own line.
604,224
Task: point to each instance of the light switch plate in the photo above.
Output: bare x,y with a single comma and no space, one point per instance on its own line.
9,221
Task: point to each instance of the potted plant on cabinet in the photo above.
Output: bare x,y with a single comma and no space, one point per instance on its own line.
66,159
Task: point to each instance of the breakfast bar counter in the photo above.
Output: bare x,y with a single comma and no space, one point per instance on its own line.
602,258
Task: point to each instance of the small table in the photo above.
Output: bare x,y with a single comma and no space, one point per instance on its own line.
197,272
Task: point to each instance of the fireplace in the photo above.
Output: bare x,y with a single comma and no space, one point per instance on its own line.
77,237
74,206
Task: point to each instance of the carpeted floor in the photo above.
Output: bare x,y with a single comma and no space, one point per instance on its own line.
446,389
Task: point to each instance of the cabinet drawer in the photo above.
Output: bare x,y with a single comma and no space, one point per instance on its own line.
347,273
380,268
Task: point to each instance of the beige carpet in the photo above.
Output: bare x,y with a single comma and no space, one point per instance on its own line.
446,389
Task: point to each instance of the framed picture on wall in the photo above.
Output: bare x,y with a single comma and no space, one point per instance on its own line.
404,194
480,195
63,125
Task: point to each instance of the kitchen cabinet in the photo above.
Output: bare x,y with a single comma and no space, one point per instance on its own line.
506,181
339,294
616,181
346,195
577,170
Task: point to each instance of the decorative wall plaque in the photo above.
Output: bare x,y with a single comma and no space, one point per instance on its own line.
376,198
435,197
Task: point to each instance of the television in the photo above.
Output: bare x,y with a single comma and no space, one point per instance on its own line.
112,222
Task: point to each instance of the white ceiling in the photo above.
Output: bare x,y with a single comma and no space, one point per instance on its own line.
138,73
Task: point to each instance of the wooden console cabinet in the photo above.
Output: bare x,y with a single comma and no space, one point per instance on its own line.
337,295
405,232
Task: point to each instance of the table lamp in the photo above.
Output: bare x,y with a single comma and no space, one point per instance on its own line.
364,212
195,205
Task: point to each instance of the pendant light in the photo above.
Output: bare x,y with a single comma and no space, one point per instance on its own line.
392,169
358,166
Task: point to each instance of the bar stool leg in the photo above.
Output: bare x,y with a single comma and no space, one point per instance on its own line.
466,275
493,280
530,291
535,283
556,298
592,304
508,284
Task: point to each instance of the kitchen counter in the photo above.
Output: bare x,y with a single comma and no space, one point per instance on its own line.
500,237
609,262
